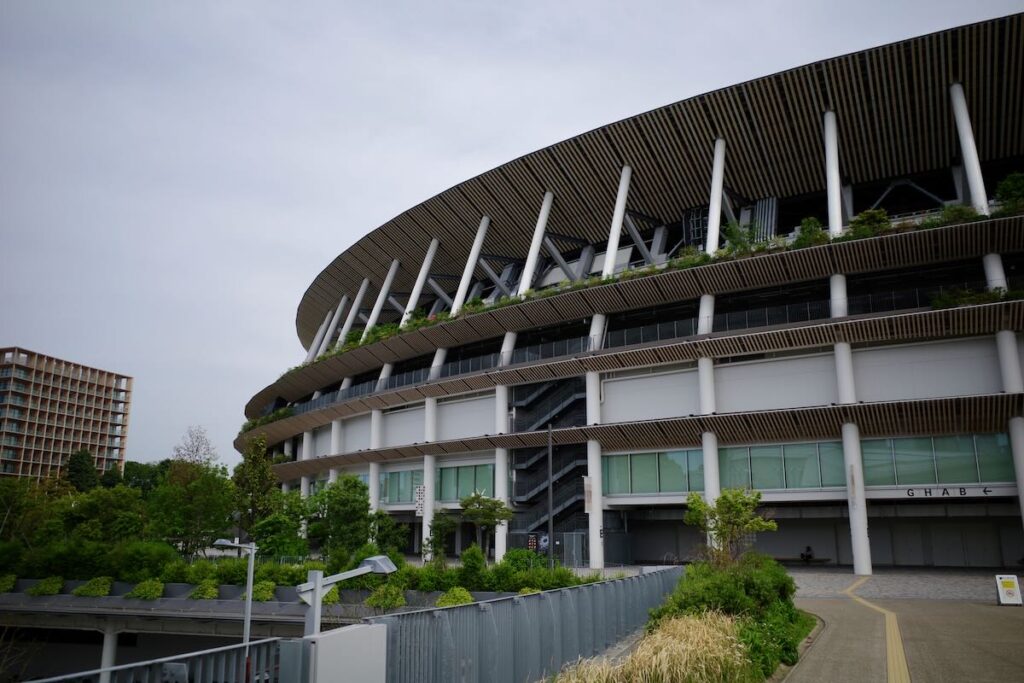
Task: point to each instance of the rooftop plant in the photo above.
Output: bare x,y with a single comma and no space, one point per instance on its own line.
151,589
98,587
205,590
51,585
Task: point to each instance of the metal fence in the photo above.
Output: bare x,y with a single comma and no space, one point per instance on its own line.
220,665
522,638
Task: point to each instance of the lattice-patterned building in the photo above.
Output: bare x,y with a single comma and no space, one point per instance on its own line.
846,375
50,408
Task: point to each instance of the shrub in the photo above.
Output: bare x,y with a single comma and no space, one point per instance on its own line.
175,572
51,585
77,559
262,591
10,555
95,588
7,582
868,224
811,234
473,573
435,578
520,559
151,589
140,560
232,570
386,597
207,589
201,570
528,590
958,213
278,414
453,597
331,597
1010,193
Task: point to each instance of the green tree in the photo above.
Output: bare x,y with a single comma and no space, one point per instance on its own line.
111,478
192,506
255,484
82,471
106,515
342,516
485,514
1010,193
388,535
144,476
442,526
726,523
280,532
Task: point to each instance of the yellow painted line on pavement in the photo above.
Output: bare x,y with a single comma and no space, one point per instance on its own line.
895,655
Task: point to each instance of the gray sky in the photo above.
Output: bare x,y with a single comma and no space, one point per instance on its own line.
173,175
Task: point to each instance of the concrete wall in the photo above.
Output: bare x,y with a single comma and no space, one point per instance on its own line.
953,368
777,383
403,427
650,396
465,417
322,441
357,433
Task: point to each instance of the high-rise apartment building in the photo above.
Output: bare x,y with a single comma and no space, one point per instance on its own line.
50,408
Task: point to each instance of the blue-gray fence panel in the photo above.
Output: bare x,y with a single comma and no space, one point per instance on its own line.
523,638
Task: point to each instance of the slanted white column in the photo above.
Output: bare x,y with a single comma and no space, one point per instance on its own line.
315,346
968,150
307,454
440,355
838,300
501,467
833,182
853,462
715,201
421,279
378,305
594,473
325,343
470,267
108,655
337,446
376,441
615,231
706,314
995,276
429,473
530,268
353,313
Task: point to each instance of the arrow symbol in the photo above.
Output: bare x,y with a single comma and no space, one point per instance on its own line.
986,490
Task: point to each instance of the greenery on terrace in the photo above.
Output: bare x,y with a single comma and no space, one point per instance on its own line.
740,243
154,526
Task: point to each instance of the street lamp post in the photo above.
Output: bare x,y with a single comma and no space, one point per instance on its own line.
312,592
249,548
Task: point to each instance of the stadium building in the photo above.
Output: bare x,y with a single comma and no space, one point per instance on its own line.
657,291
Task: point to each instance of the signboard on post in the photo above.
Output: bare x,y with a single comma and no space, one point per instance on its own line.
420,497
1008,589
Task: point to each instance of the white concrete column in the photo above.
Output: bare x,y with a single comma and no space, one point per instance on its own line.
715,201
385,374
470,267
706,314
501,466
337,446
837,296
315,346
508,345
286,487
530,268
844,373
304,487
325,343
306,454
968,150
288,451
1009,362
353,313
833,182
856,500
995,276
429,472
108,655
382,296
706,382
374,486
712,479
1016,429
594,473
618,215
421,279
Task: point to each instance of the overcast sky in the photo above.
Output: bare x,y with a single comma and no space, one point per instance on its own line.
173,175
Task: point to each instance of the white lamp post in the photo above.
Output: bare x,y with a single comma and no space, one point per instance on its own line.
249,548
312,592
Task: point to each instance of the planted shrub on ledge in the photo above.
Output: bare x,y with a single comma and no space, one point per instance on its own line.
7,582
206,590
153,589
95,588
385,597
51,585
262,591
455,596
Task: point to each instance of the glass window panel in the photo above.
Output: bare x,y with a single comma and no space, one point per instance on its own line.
467,483
672,471
833,468
405,486
877,456
485,479
734,467
766,467
449,483
417,480
392,490
954,459
604,475
994,458
914,462
644,471
695,460
618,474
802,466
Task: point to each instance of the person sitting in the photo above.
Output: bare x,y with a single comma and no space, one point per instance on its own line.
807,555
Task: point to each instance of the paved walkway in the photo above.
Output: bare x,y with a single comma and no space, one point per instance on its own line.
909,625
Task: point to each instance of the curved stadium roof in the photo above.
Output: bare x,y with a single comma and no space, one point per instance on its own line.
894,118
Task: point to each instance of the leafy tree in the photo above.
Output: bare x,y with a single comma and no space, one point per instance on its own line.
82,471
195,447
144,476
255,484
111,478
280,533
1010,192
811,234
726,523
386,533
485,514
342,513
740,237
192,506
442,526
108,515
